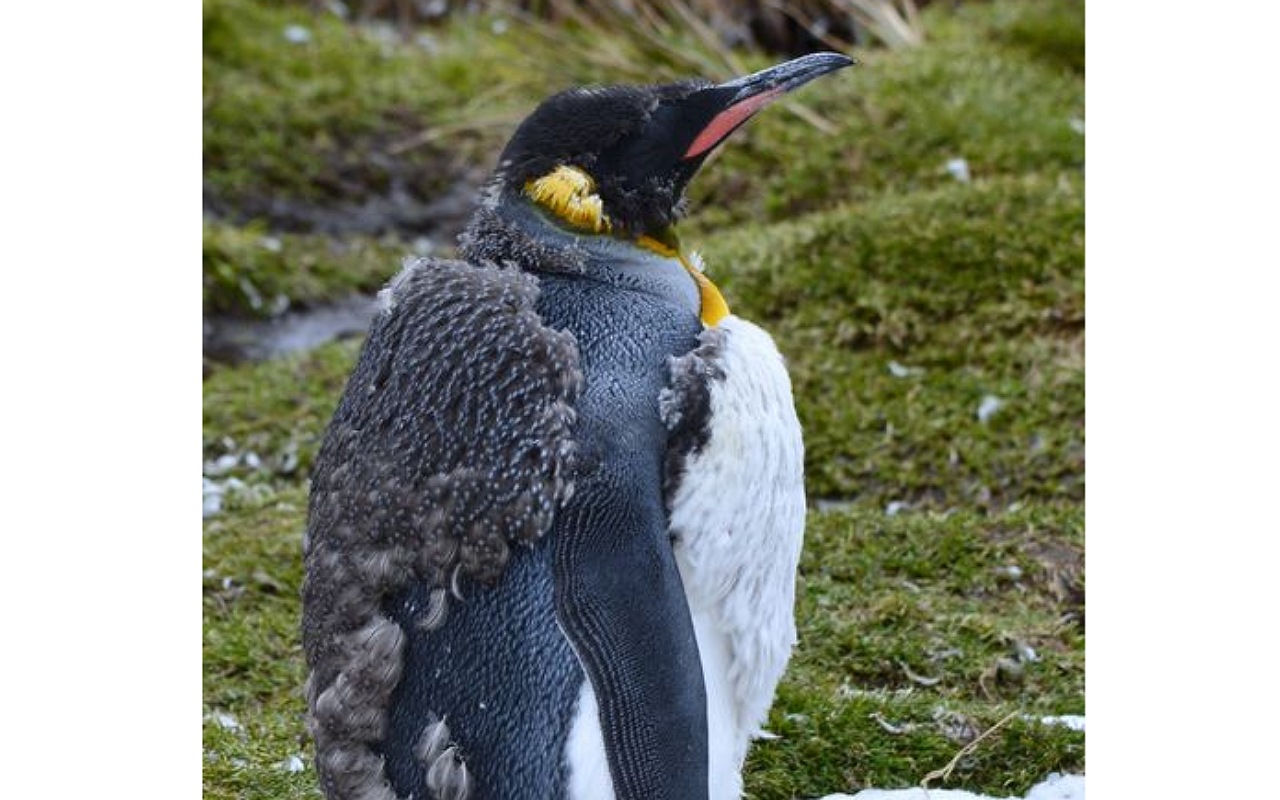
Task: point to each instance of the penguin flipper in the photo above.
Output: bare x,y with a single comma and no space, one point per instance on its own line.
621,603
451,444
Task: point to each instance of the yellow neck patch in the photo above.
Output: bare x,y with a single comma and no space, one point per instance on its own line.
570,194
714,306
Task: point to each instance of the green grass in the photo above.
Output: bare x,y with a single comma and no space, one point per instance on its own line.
977,289
253,665
314,120
896,120
1051,32
276,410
347,115
250,271
907,619
885,606
854,247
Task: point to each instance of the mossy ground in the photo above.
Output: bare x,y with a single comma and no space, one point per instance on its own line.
248,271
900,296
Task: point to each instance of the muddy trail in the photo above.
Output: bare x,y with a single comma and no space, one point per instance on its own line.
400,209
394,200
235,340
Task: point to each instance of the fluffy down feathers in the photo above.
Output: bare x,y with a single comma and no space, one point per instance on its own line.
459,359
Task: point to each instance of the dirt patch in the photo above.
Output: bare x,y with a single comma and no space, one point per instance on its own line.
233,340
401,210
398,211
367,185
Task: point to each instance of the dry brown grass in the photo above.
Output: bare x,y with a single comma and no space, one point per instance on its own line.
722,25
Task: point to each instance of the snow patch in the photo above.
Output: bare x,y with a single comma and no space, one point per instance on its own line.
959,169
1073,721
1054,787
903,371
225,721
989,405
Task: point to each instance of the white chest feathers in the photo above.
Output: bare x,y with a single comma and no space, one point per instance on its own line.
737,516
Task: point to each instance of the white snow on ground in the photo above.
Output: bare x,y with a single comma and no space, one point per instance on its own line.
225,721
1054,787
959,169
989,406
293,764
1073,721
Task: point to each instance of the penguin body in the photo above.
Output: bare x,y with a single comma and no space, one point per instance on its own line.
607,552
554,523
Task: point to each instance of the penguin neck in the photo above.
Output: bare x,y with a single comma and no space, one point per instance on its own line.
509,228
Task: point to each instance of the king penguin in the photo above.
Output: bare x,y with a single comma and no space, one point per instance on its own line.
555,521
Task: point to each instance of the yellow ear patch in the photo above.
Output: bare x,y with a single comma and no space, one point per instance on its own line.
570,194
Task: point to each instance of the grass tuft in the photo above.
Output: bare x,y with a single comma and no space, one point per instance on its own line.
251,272
974,290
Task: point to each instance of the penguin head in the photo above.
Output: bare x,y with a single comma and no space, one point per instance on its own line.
616,160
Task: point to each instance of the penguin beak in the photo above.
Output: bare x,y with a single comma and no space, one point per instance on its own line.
736,101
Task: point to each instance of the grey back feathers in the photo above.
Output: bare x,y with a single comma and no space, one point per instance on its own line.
500,233
452,443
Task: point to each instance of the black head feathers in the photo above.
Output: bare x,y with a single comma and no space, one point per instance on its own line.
640,145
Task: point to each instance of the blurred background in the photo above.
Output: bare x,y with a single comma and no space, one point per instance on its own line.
910,230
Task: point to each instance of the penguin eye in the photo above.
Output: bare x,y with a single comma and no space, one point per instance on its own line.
570,194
